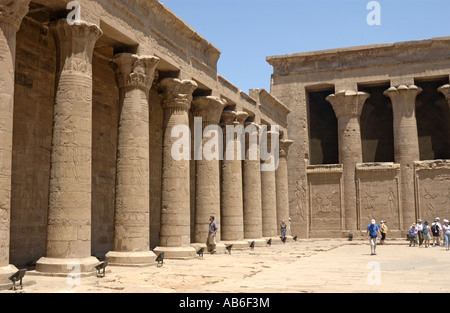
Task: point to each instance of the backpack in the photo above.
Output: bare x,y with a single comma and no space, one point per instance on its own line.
411,233
435,229
425,229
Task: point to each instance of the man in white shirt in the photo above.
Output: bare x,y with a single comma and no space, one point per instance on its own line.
419,227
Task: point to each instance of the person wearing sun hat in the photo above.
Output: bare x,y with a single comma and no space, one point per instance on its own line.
372,231
446,232
383,231
419,227
413,234
426,234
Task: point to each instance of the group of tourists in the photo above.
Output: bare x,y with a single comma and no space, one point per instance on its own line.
440,234
419,233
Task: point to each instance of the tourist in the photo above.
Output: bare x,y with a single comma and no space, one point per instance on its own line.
446,232
383,230
212,235
420,231
283,227
372,231
436,231
413,234
426,234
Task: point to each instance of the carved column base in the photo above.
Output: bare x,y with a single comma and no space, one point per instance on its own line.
132,259
260,242
63,267
220,247
177,253
237,244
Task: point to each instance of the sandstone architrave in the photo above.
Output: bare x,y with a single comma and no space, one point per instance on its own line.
69,213
11,15
134,75
175,199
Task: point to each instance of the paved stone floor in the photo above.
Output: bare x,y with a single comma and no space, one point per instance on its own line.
334,266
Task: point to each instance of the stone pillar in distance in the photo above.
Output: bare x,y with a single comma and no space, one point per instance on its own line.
406,145
231,194
269,199
251,179
11,15
282,184
69,213
348,107
207,197
134,76
175,236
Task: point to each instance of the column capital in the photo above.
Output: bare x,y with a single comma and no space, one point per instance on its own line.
209,108
76,44
135,71
348,102
177,94
228,117
241,117
403,98
445,90
284,147
13,11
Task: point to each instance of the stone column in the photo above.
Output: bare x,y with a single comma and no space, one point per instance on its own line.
406,145
207,190
69,213
231,194
251,177
348,107
269,200
175,236
134,76
11,15
281,176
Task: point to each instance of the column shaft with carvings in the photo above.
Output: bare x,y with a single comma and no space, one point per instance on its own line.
282,183
69,213
207,182
406,145
11,15
252,187
348,108
270,221
175,236
231,193
134,76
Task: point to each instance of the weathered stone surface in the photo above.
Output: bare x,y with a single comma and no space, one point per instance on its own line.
207,191
348,107
252,193
406,143
232,210
134,75
11,15
175,214
282,183
70,176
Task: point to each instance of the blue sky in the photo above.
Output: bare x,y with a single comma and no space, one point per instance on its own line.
247,31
